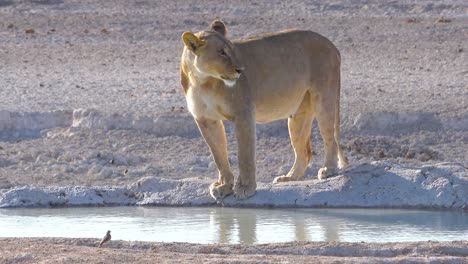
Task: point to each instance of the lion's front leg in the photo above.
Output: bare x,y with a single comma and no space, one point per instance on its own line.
245,132
214,135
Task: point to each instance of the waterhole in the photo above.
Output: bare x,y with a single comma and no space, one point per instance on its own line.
236,225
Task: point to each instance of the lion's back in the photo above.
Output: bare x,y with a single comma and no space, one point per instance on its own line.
287,40
288,58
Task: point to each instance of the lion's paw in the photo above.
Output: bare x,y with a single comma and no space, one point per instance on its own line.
326,172
282,179
243,192
220,191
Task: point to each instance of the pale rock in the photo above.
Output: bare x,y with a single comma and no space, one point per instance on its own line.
380,184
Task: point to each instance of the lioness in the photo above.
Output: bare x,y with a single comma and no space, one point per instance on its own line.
290,74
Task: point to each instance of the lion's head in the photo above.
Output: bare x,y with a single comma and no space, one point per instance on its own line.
215,55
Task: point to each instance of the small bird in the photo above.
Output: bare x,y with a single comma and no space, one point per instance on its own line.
106,238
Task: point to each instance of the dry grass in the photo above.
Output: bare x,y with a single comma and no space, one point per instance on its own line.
411,20
443,20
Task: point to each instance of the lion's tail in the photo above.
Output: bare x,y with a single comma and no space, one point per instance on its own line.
342,161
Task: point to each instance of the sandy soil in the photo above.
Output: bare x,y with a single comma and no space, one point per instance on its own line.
404,99
63,250
404,93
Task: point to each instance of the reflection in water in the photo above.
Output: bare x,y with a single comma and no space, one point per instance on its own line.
331,229
234,225
300,230
234,222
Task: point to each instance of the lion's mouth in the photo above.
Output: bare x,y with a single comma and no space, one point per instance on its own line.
226,78
230,82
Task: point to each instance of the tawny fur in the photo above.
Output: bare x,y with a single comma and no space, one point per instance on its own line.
290,74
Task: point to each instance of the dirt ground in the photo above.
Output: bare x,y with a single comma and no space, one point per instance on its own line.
404,98
68,250
404,86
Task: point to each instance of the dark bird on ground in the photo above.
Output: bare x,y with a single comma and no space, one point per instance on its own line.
106,238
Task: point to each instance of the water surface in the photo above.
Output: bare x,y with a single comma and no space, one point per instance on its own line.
236,225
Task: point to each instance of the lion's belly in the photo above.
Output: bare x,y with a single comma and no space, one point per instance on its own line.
273,108
206,105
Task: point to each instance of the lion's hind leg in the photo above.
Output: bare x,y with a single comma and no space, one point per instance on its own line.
326,122
300,126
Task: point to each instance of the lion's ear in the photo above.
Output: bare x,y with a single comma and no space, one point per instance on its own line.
219,27
192,42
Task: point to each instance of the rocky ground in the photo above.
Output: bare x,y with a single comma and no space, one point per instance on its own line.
63,250
404,93
90,94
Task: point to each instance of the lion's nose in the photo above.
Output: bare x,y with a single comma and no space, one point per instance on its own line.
239,70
